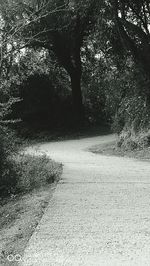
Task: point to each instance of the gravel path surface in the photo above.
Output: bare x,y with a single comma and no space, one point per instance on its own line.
99,214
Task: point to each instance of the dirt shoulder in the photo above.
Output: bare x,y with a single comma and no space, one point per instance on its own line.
112,150
19,218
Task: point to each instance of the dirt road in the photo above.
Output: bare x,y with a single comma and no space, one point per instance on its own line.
99,214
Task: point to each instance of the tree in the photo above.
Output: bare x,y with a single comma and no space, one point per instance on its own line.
124,81
59,26
132,19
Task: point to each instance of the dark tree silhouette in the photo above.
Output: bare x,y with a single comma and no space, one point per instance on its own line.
133,23
59,26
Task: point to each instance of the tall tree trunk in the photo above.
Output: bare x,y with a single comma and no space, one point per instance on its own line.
78,108
69,57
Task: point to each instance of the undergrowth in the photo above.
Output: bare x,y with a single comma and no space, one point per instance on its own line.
23,172
34,171
131,140
26,172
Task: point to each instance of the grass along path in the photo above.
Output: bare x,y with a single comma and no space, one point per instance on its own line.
21,213
111,149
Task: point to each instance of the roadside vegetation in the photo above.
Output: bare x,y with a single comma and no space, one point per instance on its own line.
19,172
136,147
20,215
27,183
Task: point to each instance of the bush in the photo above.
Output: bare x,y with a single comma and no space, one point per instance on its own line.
131,140
19,173
34,171
8,148
23,173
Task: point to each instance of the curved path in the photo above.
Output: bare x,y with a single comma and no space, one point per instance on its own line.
100,211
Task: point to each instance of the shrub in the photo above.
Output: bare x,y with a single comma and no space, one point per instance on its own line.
131,140
26,172
19,173
34,171
8,148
